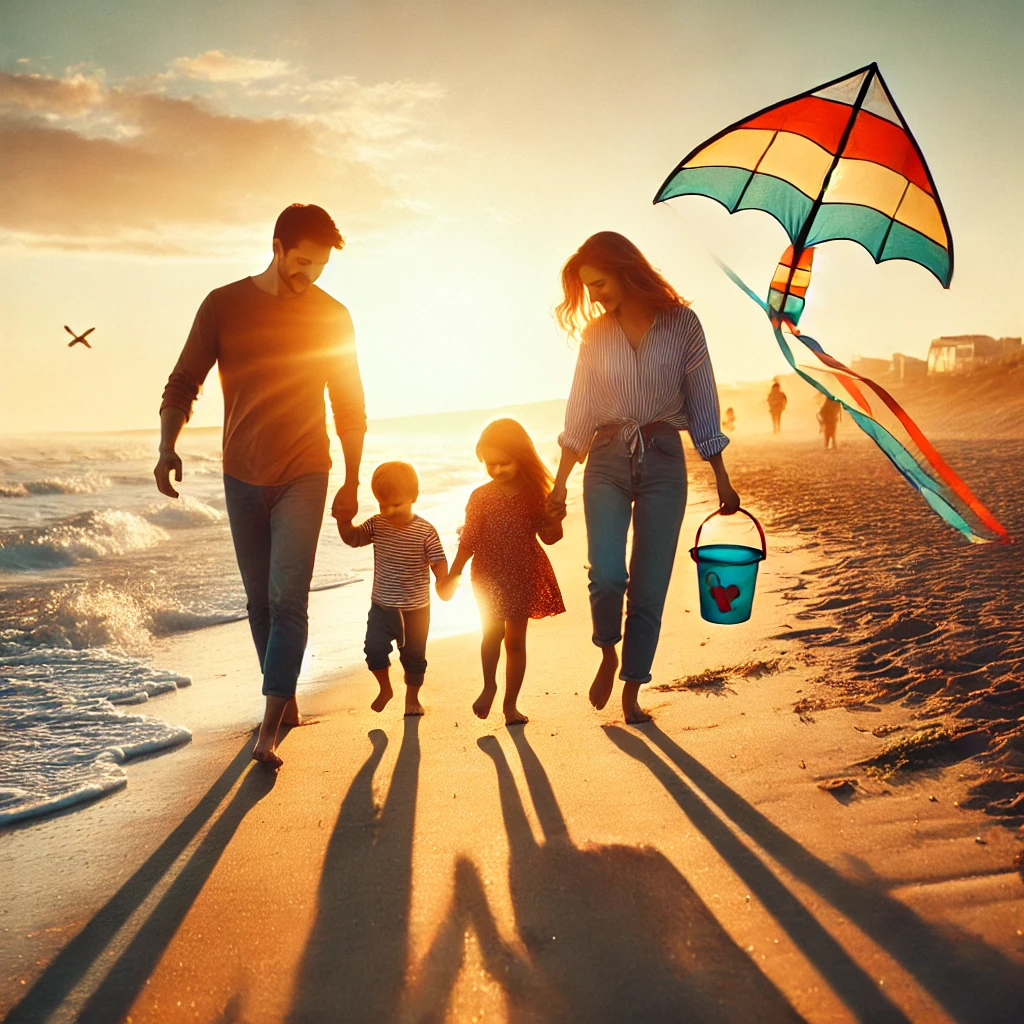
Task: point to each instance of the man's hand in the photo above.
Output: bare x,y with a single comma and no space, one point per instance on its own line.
167,463
556,501
346,503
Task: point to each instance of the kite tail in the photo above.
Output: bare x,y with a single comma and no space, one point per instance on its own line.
784,306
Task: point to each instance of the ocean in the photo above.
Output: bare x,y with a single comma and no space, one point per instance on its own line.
95,565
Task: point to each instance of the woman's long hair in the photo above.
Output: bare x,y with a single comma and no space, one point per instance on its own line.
614,253
511,437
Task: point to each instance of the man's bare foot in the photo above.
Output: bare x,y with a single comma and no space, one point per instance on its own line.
631,710
413,707
604,681
513,716
291,715
482,705
267,759
381,700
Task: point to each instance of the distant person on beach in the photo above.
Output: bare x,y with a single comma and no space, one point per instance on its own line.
829,415
729,420
406,550
642,375
278,341
777,402
512,578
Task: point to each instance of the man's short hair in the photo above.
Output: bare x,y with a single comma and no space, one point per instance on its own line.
395,481
306,222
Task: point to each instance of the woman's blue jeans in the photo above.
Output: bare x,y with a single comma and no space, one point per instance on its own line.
275,531
652,496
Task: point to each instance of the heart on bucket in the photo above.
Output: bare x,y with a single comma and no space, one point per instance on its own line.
722,596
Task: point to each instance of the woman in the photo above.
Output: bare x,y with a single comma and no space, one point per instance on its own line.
642,375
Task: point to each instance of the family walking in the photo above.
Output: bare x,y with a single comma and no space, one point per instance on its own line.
642,376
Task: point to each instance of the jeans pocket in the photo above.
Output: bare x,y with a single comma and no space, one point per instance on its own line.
668,444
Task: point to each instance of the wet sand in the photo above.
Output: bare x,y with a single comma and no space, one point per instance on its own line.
448,869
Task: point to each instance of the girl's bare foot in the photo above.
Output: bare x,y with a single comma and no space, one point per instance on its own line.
482,705
381,700
513,716
604,681
631,710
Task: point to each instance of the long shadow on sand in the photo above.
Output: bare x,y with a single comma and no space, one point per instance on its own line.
972,981
610,933
118,990
354,964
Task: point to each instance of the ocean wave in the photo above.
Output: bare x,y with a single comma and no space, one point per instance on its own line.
183,513
65,741
98,534
88,483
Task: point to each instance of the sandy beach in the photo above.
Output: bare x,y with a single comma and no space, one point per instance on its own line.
579,870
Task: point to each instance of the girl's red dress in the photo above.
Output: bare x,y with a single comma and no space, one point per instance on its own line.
512,577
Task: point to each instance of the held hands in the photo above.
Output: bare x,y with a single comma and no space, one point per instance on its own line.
168,463
446,588
556,501
346,502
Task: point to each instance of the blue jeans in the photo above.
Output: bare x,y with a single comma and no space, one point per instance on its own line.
275,531
653,497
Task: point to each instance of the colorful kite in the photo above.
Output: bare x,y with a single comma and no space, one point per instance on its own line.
839,162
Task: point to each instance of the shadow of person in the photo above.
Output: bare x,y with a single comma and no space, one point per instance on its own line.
615,933
136,962
969,979
354,964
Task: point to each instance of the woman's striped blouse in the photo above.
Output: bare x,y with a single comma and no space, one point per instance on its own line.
668,377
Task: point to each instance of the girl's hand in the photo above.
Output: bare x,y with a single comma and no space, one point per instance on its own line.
556,501
446,588
729,500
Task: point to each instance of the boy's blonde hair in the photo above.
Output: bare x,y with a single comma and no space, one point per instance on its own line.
393,481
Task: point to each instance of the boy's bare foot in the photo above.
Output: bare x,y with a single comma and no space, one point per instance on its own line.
291,714
604,681
482,705
631,710
413,707
380,702
513,716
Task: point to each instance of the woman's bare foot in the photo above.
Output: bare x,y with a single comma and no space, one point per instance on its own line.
482,705
291,714
604,682
513,716
267,759
631,710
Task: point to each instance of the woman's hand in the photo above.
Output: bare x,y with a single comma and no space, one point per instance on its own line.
446,588
729,500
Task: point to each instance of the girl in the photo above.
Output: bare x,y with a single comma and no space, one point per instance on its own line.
642,375
512,577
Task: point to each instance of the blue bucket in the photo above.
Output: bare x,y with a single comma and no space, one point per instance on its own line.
726,576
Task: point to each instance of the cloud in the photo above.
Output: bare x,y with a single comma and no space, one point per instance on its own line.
216,66
129,167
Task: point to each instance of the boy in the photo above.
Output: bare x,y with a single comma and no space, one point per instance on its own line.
406,549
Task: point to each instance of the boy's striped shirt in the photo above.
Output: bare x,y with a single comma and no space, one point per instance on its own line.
402,556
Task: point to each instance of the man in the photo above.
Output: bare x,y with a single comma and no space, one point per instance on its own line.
278,340
776,404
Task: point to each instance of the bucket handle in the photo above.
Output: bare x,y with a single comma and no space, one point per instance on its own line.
718,511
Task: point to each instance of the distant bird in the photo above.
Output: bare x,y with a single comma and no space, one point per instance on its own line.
79,338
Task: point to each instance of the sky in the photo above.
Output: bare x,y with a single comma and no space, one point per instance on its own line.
465,149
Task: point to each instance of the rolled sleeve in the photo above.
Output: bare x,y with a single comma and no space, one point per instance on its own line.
703,411
580,422
344,383
195,362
